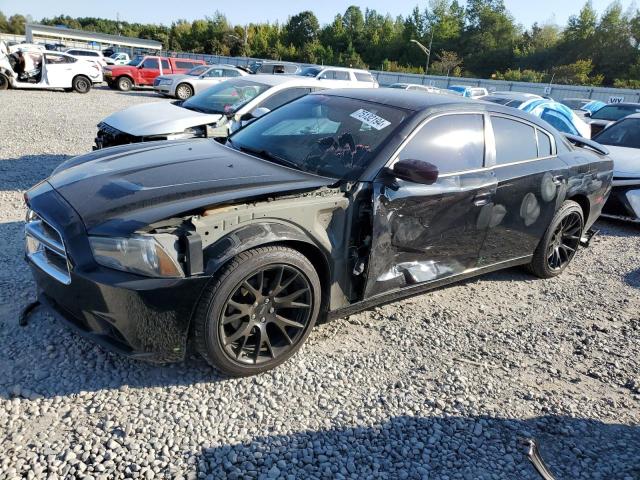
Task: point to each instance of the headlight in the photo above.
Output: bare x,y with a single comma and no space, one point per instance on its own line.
142,254
165,81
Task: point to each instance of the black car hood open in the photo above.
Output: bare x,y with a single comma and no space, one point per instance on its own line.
119,190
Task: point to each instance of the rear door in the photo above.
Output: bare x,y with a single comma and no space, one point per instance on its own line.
424,233
531,183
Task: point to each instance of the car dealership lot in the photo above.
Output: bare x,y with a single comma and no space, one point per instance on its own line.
441,384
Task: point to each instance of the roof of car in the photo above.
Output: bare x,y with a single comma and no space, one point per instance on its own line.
623,104
395,97
83,50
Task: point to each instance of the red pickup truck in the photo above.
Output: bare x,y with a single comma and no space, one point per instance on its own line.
143,70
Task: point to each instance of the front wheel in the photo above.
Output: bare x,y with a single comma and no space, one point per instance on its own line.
124,84
4,82
81,84
184,91
560,242
258,312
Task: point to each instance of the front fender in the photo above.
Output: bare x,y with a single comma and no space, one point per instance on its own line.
252,236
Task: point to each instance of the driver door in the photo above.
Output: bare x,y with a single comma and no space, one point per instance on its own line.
426,232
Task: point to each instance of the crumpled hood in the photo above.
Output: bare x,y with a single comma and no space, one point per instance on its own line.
158,119
121,189
626,161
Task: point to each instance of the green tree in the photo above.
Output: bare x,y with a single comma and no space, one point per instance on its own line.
301,29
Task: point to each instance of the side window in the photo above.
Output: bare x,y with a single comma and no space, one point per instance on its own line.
72,52
544,144
291,68
181,64
214,73
165,64
284,96
230,73
150,63
328,75
52,59
453,143
363,77
340,75
515,141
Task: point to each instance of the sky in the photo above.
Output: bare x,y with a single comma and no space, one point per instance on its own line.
526,12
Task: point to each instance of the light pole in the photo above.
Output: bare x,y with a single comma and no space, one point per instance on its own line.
426,50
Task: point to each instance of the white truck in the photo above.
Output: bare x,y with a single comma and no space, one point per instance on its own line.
34,69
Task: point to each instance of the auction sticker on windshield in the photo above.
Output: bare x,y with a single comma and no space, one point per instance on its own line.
370,119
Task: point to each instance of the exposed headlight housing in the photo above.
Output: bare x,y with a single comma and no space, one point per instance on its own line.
141,254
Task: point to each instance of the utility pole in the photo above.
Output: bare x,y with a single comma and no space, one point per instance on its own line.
426,50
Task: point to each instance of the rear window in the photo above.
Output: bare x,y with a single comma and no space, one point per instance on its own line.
364,77
184,64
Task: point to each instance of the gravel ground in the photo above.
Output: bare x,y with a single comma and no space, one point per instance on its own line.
439,386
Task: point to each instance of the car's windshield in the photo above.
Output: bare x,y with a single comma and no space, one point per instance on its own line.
615,112
625,133
330,136
310,72
197,71
135,61
226,97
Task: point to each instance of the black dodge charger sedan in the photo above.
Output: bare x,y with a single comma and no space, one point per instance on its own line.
330,204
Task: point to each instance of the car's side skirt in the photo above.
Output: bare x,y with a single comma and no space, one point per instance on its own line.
413,290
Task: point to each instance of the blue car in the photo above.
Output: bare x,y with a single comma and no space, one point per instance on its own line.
558,115
469,92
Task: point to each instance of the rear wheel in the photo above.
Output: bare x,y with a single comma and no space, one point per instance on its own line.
124,84
81,84
184,91
4,82
560,242
258,312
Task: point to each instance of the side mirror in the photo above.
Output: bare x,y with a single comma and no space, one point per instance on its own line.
417,171
587,114
255,113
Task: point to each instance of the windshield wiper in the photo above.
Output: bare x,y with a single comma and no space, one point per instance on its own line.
272,157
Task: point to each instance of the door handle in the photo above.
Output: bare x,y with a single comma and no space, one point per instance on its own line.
558,179
482,199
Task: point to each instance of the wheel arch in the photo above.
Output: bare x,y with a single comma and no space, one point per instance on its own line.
220,253
582,200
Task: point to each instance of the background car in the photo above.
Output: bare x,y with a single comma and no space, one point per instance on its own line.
575,103
183,86
214,112
560,116
510,99
469,92
609,114
142,71
117,58
341,77
273,68
421,88
331,204
623,141
87,54
53,70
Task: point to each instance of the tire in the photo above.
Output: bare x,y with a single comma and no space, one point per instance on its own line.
227,336
4,82
124,84
560,242
81,84
184,91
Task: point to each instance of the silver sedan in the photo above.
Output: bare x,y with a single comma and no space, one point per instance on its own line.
185,85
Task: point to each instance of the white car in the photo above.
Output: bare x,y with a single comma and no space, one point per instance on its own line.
185,85
421,88
340,77
118,58
48,70
623,141
87,54
215,112
469,92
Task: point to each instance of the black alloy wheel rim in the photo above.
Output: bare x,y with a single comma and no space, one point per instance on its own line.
266,315
564,241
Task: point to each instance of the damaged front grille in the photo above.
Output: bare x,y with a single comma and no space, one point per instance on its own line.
109,136
45,248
